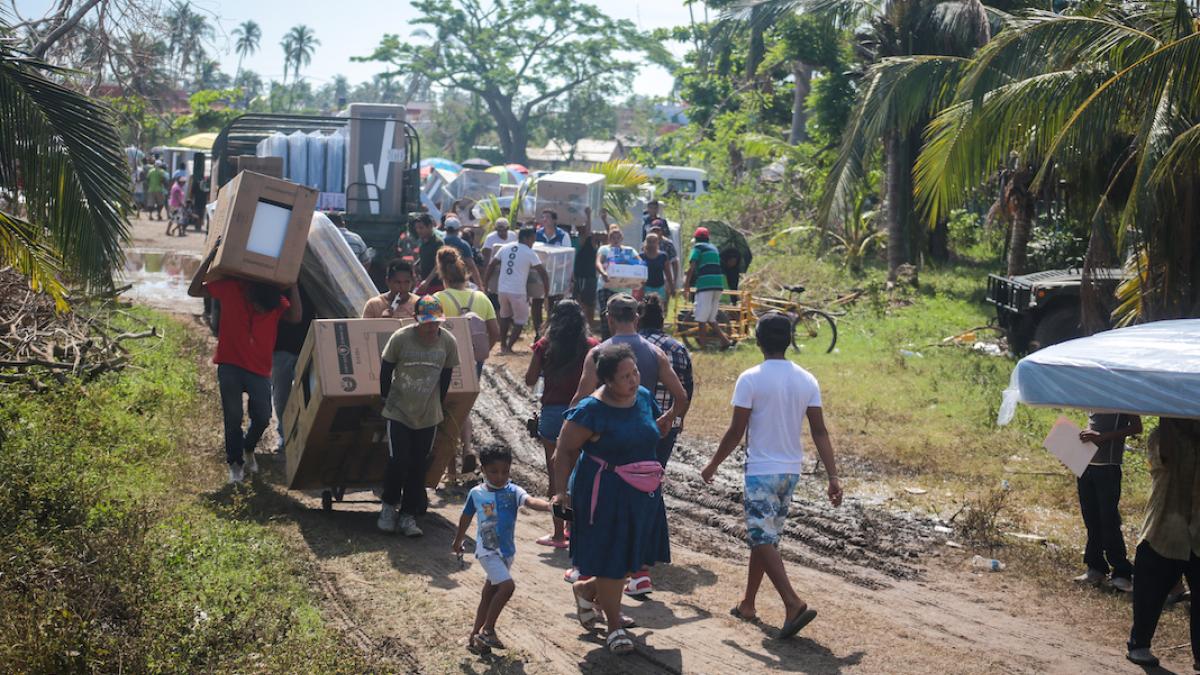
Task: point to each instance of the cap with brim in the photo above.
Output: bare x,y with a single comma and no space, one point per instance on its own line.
452,224
429,310
701,233
622,301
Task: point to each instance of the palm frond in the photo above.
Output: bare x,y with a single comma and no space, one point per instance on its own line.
32,256
61,159
623,183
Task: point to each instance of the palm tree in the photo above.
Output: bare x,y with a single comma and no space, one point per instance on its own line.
248,35
63,180
288,50
187,33
1063,91
303,43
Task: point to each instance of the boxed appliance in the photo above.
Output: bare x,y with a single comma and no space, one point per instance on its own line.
267,166
475,184
568,193
263,223
334,433
626,276
375,159
559,262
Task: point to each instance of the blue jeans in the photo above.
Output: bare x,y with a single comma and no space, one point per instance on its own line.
232,382
550,421
283,372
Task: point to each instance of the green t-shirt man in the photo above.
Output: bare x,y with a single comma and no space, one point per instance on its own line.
414,399
155,180
707,261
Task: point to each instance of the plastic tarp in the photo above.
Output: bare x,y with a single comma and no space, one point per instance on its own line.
275,145
1149,369
296,162
335,162
331,276
316,160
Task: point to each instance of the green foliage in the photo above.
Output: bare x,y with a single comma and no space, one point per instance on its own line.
212,109
623,182
109,566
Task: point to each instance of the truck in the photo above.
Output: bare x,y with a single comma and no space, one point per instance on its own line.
1043,308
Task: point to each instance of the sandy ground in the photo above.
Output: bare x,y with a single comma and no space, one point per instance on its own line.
151,234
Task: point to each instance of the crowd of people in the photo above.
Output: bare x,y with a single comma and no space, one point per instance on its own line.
611,407
181,195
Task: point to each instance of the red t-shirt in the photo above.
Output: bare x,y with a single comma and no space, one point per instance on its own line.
559,388
246,337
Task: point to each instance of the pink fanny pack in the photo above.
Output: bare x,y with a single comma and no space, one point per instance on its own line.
645,476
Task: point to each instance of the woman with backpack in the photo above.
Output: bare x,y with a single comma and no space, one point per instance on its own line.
459,299
558,359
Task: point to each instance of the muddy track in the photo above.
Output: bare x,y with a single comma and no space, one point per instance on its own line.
862,544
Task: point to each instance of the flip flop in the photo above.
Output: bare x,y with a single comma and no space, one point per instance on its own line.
737,614
477,646
585,610
792,627
490,640
549,540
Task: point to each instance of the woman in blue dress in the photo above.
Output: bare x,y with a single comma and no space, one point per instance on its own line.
617,528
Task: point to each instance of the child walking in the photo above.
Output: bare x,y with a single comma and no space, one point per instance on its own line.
496,500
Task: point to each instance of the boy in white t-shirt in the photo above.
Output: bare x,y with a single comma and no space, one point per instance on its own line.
515,261
771,400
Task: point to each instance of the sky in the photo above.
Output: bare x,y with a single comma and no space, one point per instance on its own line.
354,29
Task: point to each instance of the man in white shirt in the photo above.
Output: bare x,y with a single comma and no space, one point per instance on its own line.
515,261
497,237
771,400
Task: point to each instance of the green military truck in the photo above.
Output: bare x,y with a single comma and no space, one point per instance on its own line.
1042,308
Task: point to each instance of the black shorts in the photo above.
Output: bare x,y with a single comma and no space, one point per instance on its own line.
584,290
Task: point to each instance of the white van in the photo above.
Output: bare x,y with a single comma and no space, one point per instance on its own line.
686,181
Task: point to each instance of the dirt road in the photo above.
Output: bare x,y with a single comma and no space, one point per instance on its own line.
882,608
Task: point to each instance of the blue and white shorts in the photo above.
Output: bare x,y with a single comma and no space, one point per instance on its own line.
495,566
766,501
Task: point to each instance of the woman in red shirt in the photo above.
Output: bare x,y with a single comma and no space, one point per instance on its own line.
558,360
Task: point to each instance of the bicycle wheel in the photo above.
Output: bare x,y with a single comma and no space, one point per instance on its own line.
814,329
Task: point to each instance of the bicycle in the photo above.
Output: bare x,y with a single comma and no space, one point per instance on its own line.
811,327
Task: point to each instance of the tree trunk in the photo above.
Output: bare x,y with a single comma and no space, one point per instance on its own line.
1094,307
939,241
1021,206
802,72
757,47
898,201
514,136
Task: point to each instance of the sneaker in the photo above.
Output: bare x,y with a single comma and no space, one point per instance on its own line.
1091,576
251,464
1142,657
236,473
407,526
1123,584
388,519
639,585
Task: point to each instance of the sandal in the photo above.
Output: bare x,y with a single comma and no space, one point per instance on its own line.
550,541
736,613
625,622
619,642
802,619
585,610
477,646
489,640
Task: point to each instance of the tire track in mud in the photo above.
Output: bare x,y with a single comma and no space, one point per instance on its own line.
863,544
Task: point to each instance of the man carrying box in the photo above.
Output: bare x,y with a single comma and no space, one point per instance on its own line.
514,261
250,316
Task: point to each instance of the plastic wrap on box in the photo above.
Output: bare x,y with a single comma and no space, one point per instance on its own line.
335,162
296,163
626,276
1150,369
559,262
275,145
331,275
316,160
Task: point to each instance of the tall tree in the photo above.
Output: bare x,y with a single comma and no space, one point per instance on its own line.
248,34
298,46
187,34
61,161
518,56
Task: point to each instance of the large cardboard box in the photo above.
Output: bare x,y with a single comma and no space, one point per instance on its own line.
376,159
333,432
626,276
568,193
559,262
267,166
263,223
475,184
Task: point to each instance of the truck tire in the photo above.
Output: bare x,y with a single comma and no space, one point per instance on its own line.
1057,325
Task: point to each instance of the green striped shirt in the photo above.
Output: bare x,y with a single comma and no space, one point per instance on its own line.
707,260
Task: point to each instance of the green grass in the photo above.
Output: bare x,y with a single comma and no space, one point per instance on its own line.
110,561
927,421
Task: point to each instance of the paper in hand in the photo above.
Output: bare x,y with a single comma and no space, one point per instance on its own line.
1063,442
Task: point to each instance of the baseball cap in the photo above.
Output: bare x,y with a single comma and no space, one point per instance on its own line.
451,224
622,301
773,323
701,233
429,310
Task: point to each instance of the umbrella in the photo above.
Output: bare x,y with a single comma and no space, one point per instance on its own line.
476,163
441,163
201,141
518,168
1149,369
722,235
507,175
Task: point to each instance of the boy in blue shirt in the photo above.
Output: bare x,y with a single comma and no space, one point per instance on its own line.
496,501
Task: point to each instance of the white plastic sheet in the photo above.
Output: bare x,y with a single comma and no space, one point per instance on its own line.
316,160
275,145
335,162
297,157
1150,369
331,275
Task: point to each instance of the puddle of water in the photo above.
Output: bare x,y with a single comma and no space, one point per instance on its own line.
160,279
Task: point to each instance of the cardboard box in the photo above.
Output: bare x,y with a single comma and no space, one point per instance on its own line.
376,159
568,193
267,166
559,262
334,433
626,276
475,184
263,223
